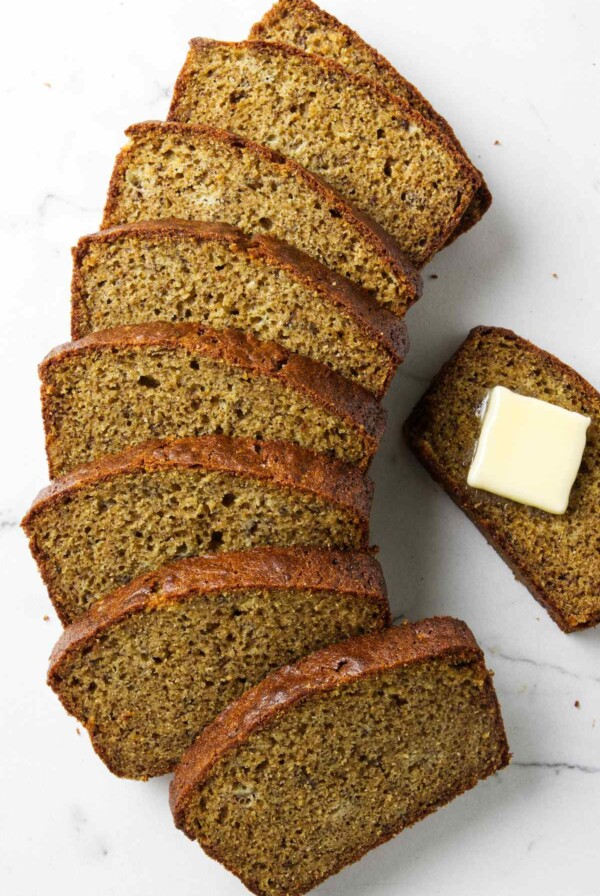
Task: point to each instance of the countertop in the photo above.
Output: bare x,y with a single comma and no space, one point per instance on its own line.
519,81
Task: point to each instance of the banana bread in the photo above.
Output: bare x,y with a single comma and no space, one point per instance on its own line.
107,522
120,387
330,757
147,667
305,25
213,274
170,169
366,142
556,557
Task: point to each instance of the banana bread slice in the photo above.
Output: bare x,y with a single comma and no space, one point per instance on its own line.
123,386
188,171
147,667
305,25
556,557
108,522
369,144
328,758
213,274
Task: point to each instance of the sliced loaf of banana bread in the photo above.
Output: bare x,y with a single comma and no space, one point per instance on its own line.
108,522
369,144
213,274
556,556
151,664
305,25
123,386
170,169
330,757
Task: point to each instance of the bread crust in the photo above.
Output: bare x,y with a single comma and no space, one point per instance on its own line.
482,199
383,245
323,386
327,67
281,463
272,569
462,494
323,671
268,568
375,321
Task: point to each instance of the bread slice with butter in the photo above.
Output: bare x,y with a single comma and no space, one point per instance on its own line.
557,556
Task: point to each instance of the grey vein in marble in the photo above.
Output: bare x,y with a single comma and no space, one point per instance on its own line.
561,670
558,766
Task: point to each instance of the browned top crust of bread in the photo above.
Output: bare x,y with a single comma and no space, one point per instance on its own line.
376,320
304,24
555,556
323,671
323,385
347,572
383,245
279,462
330,70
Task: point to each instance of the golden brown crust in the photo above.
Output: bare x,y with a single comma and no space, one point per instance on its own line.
382,323
280,463
383,245
264,568
482,198
323,386
328,66
325,670
374,320
464,496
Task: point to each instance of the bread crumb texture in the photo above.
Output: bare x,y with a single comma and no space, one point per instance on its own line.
99,531
179,272
173,649
123,386
200,173
305,25
328,776
370,146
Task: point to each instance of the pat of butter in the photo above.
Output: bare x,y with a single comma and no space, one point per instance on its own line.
529,450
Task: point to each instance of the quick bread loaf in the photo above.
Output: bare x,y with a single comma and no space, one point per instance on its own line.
110,521
169,169
149,666
305,25
120,387
369,144
325,759
556,557
236,322
213,274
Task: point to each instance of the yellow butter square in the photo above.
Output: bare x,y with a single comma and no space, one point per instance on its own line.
529,450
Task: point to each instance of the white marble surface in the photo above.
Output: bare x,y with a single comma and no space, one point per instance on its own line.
524,73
